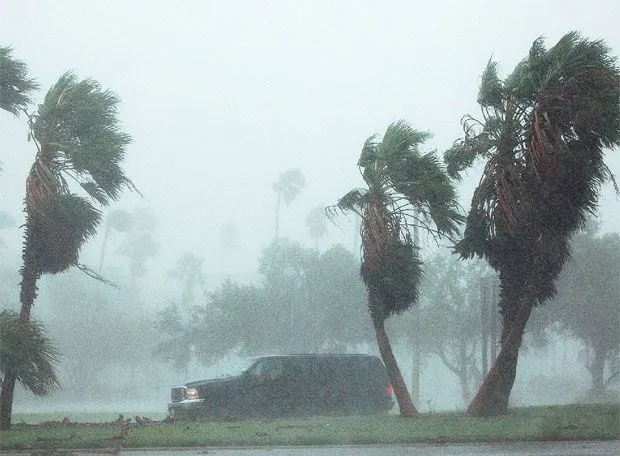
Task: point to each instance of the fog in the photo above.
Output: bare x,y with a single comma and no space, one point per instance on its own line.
222,97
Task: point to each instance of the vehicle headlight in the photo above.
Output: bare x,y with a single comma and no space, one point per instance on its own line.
192,393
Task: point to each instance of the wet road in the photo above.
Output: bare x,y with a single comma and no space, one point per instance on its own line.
491,449
494,449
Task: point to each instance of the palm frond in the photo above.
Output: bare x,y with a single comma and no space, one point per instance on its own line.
544,151
77,124
15,85
26,351
56,237
400,142
424,182
491,93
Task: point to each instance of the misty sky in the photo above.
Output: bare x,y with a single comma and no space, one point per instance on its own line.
222,96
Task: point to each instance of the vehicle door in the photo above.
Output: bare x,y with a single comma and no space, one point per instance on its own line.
264,384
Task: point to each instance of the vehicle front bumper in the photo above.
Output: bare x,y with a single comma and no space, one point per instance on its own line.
186,407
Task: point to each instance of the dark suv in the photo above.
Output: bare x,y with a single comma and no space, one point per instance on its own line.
289,385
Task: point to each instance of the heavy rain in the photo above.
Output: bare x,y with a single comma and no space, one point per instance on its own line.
239,234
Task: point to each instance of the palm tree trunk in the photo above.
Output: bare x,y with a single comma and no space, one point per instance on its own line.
28,293
6,400
407,409
492,397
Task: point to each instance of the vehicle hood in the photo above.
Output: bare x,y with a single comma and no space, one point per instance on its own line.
212,381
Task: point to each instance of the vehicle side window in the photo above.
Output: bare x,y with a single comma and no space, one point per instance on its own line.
267,369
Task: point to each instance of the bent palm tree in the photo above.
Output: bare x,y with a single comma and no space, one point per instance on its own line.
78,140
543,134
404,188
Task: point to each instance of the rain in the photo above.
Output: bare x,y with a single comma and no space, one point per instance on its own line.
223,100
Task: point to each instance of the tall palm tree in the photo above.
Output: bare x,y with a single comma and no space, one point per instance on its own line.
543,134
78,141
399,179
289,185
15,85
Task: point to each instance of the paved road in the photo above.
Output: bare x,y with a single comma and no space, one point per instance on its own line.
509,449
492,449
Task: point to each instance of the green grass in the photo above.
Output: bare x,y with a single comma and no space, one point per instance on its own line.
572,422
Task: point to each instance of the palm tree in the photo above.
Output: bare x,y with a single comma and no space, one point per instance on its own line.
399,179
316,224
27,354
543,132
288,186
189,273
78,141
15,85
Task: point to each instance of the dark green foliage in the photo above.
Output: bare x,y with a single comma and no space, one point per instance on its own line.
397,279
405,189
26,351
77,134
491,88
55,239
543,134
77,124
15,85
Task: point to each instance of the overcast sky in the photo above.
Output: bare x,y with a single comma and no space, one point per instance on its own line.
222,96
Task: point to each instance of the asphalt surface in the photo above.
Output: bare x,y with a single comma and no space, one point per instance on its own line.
494,449
490,449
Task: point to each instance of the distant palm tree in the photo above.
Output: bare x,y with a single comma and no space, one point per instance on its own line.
288,186
189,273
78,141
542,136
316,221
15,85
399,178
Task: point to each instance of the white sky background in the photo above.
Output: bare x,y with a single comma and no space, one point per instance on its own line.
222,96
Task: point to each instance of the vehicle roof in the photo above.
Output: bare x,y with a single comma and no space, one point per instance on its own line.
316,355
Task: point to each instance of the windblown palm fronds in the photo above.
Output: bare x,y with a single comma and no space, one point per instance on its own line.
26,351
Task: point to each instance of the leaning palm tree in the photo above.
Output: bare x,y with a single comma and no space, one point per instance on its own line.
405,188
289,185
78,142
543,133
15,85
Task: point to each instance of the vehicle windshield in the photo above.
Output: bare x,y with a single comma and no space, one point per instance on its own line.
240,367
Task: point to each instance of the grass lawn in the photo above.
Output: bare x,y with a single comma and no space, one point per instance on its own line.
571,422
